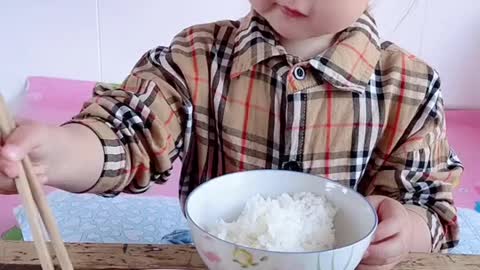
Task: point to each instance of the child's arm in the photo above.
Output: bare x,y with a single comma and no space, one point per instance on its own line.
69,158
123,139
141,125
420,173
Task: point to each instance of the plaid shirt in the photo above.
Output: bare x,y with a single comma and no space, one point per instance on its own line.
227,97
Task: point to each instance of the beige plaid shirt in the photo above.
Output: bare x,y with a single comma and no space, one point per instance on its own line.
227,97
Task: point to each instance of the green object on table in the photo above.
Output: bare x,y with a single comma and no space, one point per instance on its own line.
14,234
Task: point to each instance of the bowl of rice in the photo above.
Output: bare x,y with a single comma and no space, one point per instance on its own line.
279,220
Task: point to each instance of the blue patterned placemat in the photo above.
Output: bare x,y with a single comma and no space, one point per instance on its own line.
94,219
159,220
469,221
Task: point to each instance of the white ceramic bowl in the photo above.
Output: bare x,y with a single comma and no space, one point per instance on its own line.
225,197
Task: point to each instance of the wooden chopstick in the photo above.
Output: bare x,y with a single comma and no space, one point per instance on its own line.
48,217
26,197
36,205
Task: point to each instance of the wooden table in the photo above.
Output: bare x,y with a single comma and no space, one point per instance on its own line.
21,256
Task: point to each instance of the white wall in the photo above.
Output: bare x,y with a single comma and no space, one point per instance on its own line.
446,34
101,39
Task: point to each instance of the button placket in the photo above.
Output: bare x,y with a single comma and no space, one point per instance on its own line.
299,73
296,78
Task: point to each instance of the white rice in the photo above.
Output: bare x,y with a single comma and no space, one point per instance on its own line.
290,223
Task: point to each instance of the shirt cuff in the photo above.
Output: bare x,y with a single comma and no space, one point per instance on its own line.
433,223
114,175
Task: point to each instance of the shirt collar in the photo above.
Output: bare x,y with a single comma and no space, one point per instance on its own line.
348,64
255,41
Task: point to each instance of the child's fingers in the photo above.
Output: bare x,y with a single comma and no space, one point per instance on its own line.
390,251
22,141
41,174
8,168
40,170
387,228
7,186
375,200
42,179
392,217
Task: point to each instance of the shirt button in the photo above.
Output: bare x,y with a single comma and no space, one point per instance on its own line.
292,166
299,73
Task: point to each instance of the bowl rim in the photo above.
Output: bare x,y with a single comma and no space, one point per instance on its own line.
215,179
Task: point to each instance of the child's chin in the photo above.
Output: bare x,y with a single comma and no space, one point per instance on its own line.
291,34
291,30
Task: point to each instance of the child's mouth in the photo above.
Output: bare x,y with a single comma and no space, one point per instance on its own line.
292,13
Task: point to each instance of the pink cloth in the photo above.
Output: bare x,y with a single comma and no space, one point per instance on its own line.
463,128
55,101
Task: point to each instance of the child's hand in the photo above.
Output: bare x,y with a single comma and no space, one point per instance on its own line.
28,138
390,245
68,157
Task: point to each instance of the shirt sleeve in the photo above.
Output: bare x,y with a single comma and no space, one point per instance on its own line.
141,124
421,171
